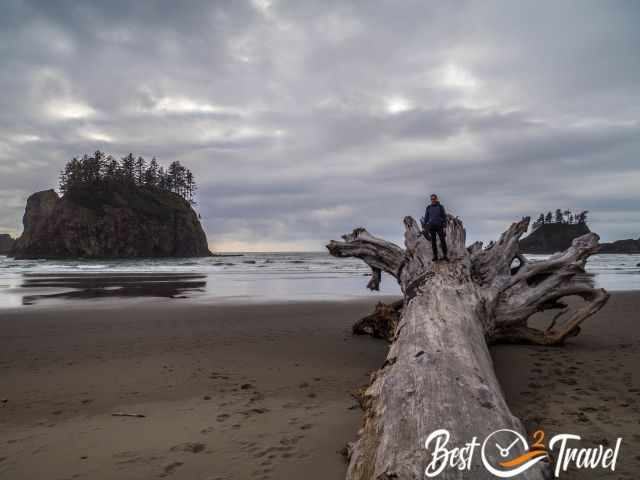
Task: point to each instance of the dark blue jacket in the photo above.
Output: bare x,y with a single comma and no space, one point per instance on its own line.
435,216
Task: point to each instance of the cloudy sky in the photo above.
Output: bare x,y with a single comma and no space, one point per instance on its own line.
304,119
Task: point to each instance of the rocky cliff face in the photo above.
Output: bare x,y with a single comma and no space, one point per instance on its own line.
621,246
110,223
6,243
552,237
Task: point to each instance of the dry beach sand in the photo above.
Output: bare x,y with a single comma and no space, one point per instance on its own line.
260,391
588,387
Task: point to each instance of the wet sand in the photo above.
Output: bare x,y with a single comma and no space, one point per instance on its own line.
228,392
589,387
261,391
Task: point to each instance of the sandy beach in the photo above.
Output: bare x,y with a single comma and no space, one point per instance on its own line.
261,391
589,387
228,392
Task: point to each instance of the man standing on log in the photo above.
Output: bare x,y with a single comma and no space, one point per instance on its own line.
435,219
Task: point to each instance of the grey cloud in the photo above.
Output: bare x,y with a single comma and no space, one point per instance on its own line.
302,120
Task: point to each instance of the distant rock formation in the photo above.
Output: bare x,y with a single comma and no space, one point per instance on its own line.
552,237
114,222
6,243
621,246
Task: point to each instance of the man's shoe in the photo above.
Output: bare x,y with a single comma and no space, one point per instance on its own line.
445,259
435,259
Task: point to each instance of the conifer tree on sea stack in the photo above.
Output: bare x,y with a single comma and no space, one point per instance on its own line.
128,168
539,222
582,217
140,169
151,174
559,218
104,171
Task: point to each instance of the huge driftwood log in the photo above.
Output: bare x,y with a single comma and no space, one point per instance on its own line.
438,372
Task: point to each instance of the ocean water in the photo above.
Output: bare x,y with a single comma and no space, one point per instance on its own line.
241,277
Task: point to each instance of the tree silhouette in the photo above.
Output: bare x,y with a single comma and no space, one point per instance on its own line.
140,169
566,216
548,218
128,168
582,217
558,216
539,222
151,173
191,186
100,170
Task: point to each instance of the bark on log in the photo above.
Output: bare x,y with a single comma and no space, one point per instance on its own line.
438,372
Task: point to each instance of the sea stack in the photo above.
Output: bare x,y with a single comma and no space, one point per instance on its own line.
552,237
6,243
628,246
113,222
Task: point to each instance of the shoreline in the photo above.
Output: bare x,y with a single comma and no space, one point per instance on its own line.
117,302
256,278
261,390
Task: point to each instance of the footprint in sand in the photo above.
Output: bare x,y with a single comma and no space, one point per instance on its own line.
272,452
254,448
256,397
127,457
193,447
291,440
168,470
254,411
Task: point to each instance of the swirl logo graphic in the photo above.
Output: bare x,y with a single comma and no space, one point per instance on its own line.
505,453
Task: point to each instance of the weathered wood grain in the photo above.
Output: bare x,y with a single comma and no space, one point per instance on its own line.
438,372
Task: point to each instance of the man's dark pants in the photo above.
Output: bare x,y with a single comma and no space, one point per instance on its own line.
435,230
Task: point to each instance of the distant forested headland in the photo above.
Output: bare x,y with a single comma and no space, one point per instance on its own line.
102,170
